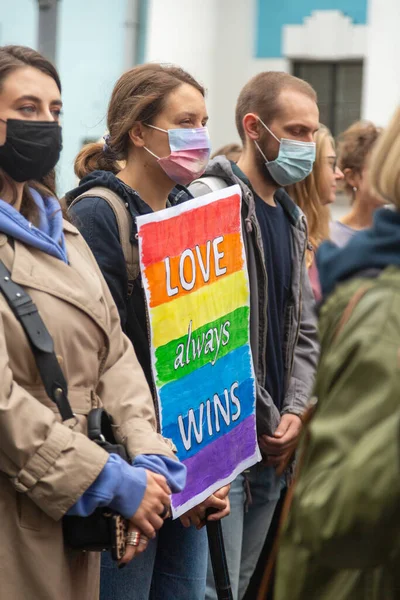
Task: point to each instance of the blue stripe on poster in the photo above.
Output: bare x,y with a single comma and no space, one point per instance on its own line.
214,415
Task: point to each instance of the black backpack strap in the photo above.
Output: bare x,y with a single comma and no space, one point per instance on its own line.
40,340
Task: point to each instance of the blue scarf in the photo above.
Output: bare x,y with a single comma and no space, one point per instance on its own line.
48,237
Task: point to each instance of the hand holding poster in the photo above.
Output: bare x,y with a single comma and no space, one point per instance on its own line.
195,278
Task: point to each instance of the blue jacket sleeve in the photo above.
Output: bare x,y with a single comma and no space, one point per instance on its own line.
119,486
173,471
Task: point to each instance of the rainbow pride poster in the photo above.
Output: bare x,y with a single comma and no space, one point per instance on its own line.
194,274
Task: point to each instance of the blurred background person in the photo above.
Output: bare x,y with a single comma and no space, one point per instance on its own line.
354,150
231,151
314,195
342,535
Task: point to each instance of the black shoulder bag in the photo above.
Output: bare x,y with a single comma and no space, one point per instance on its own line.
104,529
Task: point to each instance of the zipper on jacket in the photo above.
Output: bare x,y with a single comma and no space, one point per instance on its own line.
263,354
263,357
289,374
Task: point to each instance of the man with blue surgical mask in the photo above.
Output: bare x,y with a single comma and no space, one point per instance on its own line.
276,117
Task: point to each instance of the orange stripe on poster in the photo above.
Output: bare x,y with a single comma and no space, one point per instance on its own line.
172,236
181,275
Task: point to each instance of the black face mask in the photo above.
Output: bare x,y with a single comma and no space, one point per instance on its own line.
31,150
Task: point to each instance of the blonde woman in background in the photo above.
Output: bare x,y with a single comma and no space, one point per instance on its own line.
354,150
231,151
342,538
314,194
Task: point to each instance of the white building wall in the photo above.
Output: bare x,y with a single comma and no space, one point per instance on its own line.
325,35
214,40
235,63
218,49
382,68
216,44
182,32
91,58
232,59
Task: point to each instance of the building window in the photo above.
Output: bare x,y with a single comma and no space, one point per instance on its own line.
339,88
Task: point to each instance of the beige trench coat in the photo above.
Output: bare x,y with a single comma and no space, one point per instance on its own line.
45,466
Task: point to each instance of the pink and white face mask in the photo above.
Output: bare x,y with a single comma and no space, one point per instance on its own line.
190,153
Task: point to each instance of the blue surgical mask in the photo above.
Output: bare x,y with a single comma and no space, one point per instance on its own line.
294,161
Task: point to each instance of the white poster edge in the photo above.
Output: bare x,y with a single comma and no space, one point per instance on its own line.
161,215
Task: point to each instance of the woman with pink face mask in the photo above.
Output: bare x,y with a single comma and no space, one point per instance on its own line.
157,143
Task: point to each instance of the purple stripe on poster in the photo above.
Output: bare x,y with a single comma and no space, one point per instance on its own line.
218,460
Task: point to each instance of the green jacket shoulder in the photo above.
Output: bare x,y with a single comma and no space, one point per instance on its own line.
344,513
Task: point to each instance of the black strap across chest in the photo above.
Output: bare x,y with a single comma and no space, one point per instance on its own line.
40,341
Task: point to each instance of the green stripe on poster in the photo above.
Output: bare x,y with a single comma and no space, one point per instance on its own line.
206,344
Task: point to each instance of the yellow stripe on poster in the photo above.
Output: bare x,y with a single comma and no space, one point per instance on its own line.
170,321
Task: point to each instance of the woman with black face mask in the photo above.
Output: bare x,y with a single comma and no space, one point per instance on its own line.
49,467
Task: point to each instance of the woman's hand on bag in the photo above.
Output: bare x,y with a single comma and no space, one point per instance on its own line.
150,515
218,501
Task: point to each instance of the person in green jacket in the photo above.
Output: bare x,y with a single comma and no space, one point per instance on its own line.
341,540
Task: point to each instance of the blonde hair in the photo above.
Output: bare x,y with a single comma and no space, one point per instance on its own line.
231,151
307,195
384,170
